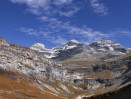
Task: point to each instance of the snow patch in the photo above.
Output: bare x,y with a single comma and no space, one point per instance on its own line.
70,47
78,97
38,47
74,41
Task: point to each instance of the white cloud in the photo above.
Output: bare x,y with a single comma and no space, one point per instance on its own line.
120,33
44,34
59,2
30,31
53,32
57,40
32,3
55,7
70,12
99,7
86,34
49,7
47,10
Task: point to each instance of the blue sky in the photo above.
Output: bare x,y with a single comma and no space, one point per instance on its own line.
54,22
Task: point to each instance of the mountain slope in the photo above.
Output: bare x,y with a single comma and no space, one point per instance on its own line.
95,52
23,67
11,88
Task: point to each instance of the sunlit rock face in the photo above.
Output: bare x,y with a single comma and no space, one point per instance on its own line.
3,42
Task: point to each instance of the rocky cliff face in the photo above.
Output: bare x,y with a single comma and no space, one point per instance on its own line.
66,79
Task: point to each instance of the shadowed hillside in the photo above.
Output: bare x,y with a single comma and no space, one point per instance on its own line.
123,93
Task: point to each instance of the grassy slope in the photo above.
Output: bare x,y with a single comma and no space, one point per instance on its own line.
14,89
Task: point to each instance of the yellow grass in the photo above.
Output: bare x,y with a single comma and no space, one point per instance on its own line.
14,89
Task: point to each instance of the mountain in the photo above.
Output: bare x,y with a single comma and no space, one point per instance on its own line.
38,47
129,49
69,45
74,49
28,73
3,42
50,53
108,45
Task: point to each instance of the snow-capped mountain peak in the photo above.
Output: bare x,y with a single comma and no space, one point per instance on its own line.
74,45
69,45
129,49
48,53
38,47
74,41
107,45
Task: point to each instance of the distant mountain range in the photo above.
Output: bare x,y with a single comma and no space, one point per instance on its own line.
98,50
99,70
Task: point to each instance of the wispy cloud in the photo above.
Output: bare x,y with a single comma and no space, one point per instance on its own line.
53,32
44,34
49,7
56,30
87,34
99,7
30,31
61,7
119,33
